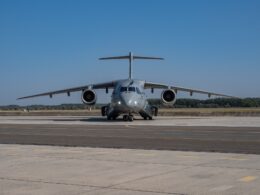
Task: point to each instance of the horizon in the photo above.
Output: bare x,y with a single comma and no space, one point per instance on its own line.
151,99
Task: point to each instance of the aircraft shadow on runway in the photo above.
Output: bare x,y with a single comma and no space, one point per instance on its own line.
92,119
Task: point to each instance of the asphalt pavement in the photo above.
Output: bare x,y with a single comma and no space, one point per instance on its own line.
183,138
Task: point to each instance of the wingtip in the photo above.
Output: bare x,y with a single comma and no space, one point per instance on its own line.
21,98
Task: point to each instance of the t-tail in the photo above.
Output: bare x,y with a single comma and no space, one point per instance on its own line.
131,57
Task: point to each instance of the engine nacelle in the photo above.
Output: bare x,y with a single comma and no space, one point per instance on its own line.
168,97
89,97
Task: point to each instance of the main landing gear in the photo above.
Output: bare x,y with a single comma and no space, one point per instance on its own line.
128,117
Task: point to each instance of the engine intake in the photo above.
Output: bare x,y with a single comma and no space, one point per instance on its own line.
168,97
89,97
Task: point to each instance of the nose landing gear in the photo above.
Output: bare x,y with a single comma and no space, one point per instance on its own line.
128,117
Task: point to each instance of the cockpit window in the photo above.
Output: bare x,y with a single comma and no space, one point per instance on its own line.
123,89
138,90
131,89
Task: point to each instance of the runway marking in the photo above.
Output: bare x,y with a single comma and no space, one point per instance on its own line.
188,156
145,154
235,158
130,126
100,153
247,178
221,188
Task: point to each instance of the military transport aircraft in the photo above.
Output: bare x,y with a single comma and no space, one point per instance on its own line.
128,95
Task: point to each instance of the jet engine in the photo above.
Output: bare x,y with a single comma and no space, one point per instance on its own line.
168,97
89,97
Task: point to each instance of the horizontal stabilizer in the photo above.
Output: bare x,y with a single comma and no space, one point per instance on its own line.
147,58
115,58
131,57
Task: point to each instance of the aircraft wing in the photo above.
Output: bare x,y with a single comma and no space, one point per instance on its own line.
189,90
74,89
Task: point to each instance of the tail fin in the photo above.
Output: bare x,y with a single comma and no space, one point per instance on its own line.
131,57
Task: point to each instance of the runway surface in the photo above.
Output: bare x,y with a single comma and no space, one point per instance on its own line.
99,167
56,170
84,132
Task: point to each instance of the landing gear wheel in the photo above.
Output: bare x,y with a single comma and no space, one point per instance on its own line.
130,118
145,118
125,117
150,118
108,118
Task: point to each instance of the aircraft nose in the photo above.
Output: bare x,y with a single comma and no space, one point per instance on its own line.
128,100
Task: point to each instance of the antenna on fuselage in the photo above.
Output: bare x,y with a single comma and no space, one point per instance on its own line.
131,57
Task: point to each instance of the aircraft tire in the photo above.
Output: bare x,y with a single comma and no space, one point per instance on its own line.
130,118
125,117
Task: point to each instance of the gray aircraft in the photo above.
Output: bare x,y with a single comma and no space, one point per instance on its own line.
128,96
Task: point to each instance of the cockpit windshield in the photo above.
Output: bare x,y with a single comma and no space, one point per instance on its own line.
123,89
131,89
128,89
138,90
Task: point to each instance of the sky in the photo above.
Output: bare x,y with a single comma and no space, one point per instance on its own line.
49,45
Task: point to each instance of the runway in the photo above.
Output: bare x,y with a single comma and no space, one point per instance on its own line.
78,131
53,170
144,157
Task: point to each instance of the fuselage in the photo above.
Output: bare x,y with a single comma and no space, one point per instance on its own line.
128,97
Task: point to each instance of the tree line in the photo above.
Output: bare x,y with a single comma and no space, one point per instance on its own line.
211,103
180,103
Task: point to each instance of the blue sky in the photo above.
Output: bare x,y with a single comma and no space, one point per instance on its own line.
48,45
